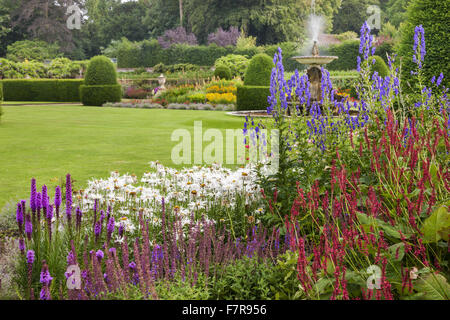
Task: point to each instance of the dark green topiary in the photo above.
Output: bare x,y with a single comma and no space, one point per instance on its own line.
100,71
433,16
259,71
252,97
379,66
223,72
98,95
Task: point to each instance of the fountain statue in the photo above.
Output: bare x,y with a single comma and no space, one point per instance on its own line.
314,70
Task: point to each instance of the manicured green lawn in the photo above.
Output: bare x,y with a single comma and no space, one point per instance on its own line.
47,142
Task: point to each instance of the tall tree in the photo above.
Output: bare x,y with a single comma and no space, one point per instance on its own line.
271,21
44,20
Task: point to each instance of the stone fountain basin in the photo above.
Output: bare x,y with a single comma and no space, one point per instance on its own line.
318,60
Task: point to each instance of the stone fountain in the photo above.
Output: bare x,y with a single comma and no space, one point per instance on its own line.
314,72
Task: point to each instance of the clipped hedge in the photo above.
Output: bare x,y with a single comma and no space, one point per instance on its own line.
100,71
99,94
223,72
347,51
259,71
149,53
57,90
379,66
252,97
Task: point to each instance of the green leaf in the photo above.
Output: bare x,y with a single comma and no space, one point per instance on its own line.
323,285
387,228
437,226
393,251
434,286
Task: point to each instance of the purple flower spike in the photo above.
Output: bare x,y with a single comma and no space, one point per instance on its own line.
111,225
45,277
58,200
30,257
22,245
33,196
68,197
28,227
121,230
19,216
79,215
99,254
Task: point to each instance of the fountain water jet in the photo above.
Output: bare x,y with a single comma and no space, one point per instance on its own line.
315,60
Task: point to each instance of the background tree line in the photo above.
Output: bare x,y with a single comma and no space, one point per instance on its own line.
269,21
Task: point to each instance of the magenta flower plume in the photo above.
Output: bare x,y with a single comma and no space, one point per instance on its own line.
68,197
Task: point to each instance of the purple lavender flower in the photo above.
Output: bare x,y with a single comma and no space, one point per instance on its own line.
45,277
33,195
30,257
97,229
121,229
68,197
110,227
132,265
44,294
99,254
79,215
21,245
19,216
70,258
57,200
112,251
49,212
28,227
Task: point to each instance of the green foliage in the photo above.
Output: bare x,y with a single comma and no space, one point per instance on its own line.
289,49
252,97
223,72
101,71
433,286
97,95
347,51
8,222
32,50
348,35
179,289
63,68
259,71
433,16
237,64
252,279
245,279
396,11
379,66
437,226
351,15
386,47
41,90
244,42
